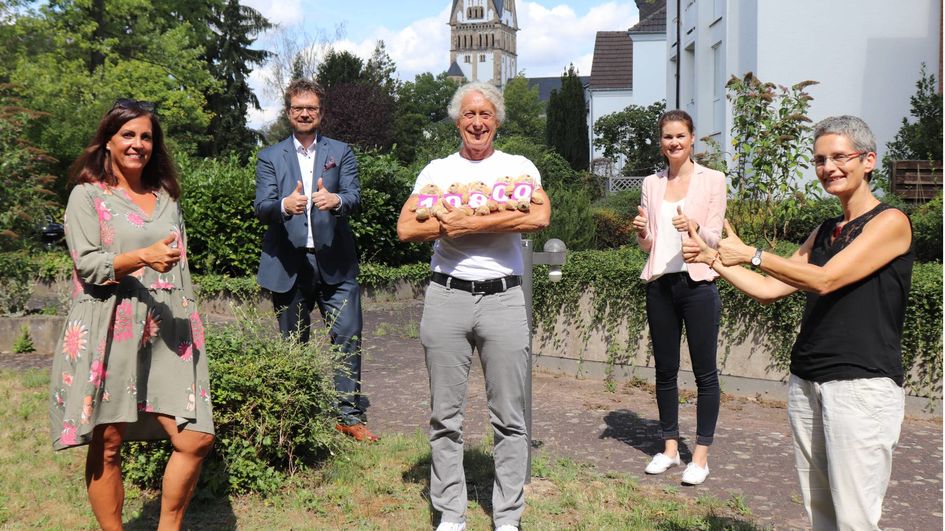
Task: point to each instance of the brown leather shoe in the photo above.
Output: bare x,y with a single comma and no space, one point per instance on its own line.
359,431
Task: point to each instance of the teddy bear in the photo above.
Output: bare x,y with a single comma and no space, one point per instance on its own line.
428,201
479,199
502,193
523,192
457,196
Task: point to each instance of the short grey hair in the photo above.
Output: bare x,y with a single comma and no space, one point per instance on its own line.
852,127
488,91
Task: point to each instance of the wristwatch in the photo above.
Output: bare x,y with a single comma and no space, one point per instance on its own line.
756,260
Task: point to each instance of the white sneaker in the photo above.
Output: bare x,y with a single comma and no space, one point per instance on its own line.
695,474
507,527
661,463
451,526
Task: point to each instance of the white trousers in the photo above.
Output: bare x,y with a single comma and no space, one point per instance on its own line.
844,435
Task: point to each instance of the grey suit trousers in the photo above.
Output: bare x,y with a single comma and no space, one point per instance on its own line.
454,322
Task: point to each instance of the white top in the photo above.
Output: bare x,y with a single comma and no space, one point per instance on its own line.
477,256
667,249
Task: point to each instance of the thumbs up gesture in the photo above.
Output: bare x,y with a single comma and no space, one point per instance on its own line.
639,222
695,249
681,221
732,250
161,256
295,202
322,199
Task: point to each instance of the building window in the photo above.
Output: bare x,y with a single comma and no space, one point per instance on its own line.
482,58
467,59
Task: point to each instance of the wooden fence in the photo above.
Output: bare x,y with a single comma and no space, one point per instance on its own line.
917,181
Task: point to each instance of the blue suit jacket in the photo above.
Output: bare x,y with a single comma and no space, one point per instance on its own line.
283,248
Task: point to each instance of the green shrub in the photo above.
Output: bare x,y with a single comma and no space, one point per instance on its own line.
799,221
613,218
619,298
24,342
27,198
571,219
240,288
223,234
272,408
17,272
927,230
385,187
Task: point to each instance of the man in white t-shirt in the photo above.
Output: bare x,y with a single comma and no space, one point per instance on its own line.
475,300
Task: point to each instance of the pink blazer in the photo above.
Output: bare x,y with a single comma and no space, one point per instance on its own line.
705,204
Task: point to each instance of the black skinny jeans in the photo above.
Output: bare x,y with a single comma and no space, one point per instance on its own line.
672,300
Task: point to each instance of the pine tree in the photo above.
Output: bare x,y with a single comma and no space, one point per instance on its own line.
566,125
230,59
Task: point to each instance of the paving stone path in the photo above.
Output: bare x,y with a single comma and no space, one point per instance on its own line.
752,457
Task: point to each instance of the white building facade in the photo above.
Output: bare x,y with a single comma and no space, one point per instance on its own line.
637,77
865,54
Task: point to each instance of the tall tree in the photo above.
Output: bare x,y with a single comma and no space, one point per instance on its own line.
380,70
566,125
230,58
922,139
522,110
421,103
339,68
631,135
149,50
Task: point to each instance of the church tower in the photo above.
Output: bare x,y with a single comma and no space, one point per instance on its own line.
482,40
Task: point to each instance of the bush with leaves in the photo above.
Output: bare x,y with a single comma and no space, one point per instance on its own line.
385,187
223,234
272,409
919,140
613,219
17,271
27,199
571,220
771,138
610,277
927,230
631,136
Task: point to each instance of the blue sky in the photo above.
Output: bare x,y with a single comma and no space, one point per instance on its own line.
553,33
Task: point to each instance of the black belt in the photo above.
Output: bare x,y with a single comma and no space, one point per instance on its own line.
310,250
478,287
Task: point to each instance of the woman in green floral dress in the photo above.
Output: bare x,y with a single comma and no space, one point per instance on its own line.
131,363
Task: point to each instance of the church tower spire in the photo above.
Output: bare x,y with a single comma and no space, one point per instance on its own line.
482,40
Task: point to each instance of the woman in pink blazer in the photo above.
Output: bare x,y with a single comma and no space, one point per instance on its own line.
677,292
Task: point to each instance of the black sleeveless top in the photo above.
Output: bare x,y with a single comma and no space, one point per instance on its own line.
855,331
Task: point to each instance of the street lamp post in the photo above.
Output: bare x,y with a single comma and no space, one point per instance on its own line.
554,257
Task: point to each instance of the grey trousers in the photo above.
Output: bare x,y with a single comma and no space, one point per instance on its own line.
454,322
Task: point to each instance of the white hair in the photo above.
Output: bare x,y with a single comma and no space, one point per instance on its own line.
488,91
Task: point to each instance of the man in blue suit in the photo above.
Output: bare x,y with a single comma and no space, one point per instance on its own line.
306,188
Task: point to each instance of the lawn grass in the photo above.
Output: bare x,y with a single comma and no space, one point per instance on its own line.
378,486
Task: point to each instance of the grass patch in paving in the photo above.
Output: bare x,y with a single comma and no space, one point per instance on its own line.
378,486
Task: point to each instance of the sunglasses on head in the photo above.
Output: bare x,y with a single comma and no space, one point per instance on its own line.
127,103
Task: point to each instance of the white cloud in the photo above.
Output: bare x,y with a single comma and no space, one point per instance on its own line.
423,46
282,13
550,39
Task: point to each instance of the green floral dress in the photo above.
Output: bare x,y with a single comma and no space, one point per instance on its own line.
130,347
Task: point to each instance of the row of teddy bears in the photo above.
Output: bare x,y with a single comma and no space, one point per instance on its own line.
476,198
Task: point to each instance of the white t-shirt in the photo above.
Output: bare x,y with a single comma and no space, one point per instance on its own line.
668,246
477,256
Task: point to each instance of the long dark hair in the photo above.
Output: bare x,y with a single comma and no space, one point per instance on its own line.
95,165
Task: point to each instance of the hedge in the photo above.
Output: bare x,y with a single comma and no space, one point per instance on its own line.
619,297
